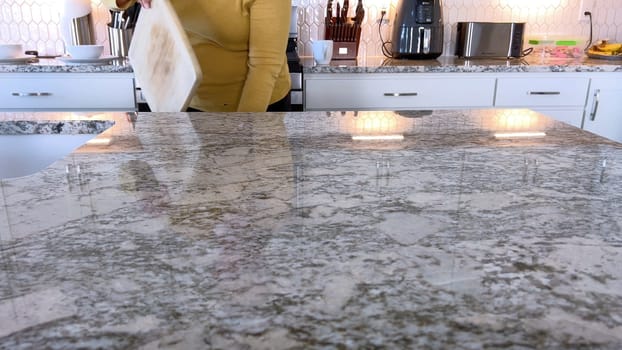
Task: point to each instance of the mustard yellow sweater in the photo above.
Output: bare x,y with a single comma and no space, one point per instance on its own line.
240,45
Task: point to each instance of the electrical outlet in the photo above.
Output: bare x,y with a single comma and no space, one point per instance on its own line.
384,19
585,6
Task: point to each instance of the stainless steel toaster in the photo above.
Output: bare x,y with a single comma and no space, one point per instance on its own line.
490,39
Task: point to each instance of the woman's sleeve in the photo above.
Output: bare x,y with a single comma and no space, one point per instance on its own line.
269,29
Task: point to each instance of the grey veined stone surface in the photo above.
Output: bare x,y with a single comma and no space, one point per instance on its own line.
279,231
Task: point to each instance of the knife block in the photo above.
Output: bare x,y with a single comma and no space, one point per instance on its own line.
346,39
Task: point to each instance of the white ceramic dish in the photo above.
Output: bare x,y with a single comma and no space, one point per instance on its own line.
605,57
10,51
85,51
22,59
99,60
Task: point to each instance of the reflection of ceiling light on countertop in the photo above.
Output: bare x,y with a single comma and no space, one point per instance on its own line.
375,124
516,120
378,138
511,135
99,141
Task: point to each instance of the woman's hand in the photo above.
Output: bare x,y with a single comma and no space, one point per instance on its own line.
145,3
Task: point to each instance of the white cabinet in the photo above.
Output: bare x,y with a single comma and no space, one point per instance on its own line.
603,115
67,91
589,100
560,97
397,91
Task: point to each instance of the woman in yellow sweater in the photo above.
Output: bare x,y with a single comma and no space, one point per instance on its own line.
240,45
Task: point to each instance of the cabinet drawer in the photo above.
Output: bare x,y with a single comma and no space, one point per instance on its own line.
534,92
398,93
89,92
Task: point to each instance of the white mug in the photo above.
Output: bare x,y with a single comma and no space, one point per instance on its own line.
322,51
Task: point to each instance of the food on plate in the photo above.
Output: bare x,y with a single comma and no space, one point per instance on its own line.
604,48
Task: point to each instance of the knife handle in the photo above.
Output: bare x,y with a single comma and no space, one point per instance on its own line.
359,13
338,14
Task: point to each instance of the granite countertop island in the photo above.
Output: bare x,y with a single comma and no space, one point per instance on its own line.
318,230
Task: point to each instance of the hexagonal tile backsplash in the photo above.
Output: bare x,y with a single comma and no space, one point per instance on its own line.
35,23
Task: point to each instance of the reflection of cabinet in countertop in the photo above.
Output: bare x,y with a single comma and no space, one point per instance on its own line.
67,91
603,114
561,95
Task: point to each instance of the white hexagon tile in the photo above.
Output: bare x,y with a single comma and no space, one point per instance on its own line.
35,23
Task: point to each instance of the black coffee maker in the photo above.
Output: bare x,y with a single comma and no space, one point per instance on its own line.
418,29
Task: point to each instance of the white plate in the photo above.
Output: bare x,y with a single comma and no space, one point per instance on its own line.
17,60
604,57
99,60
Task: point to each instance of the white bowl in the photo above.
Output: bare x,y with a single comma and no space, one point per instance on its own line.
8,51
85,51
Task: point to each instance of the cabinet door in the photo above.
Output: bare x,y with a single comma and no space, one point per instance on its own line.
572,116
395,92
604,108
72,91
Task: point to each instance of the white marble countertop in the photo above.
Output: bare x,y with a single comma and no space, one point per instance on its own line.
452,64
281,231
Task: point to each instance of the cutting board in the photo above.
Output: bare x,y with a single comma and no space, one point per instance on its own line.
165,66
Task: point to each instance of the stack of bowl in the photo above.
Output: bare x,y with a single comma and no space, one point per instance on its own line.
10,51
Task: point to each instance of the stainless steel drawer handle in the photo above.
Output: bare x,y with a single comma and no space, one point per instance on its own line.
398,94
595,105
544,93
26,94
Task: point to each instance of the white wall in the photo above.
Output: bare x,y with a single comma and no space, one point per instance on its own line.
541,16
35,22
